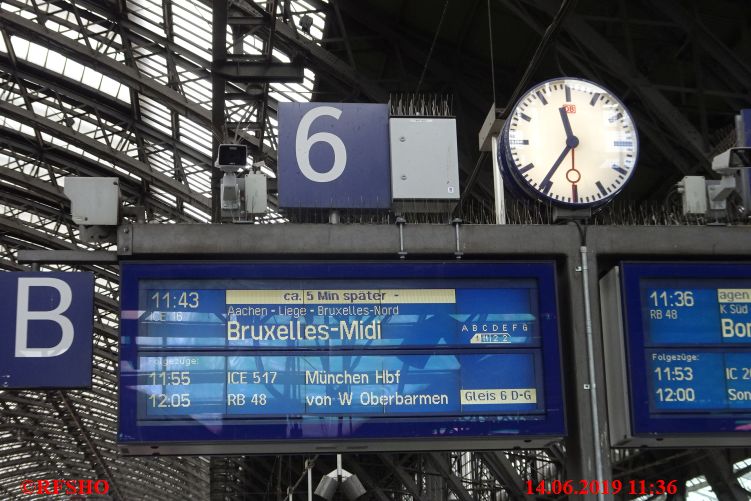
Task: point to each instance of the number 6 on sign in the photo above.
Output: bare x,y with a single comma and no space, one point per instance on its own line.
334,156
303,143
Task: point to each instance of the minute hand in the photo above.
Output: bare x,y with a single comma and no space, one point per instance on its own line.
545,184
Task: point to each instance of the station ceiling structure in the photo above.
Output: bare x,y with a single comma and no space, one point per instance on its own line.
123,88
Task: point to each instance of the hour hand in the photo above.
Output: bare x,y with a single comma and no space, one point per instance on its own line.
571,140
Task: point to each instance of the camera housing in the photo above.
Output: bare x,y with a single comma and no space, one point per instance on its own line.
231,157
732,160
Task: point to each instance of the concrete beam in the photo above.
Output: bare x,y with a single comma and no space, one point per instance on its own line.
669,241
345,240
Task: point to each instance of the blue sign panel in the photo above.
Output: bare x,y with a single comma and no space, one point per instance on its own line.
689,346
273,352
335,385
334,155
47,323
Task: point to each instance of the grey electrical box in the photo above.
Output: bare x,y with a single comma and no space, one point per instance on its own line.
93,200
255,193
424,164
693,190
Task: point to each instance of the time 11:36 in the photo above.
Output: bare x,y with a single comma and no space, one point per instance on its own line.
675,299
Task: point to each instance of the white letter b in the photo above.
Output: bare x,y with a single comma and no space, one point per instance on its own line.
23,316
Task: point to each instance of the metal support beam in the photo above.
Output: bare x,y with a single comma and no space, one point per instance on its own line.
187,59
67,257
109,154
719,473
500,466
372,485
650,129
412,49
96,458
618,65
69,162
292,42
737,68
32,236
218,88
246,21
45,190
261,71
441,464
127,75
46,82
403,477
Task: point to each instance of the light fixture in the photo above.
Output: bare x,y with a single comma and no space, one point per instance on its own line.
350,485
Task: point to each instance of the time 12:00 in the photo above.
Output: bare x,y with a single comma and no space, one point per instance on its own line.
175,299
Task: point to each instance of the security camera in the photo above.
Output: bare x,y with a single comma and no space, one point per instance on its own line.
232,157
732,160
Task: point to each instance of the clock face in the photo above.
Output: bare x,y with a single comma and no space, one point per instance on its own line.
570,141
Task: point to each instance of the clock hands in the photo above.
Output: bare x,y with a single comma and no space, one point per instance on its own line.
545,184
571,142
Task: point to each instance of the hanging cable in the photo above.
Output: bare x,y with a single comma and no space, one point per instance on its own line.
432,45
547,38
492,59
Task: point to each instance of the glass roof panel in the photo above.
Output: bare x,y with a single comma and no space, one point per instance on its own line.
113,117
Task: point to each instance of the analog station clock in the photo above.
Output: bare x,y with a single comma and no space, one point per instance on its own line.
569,141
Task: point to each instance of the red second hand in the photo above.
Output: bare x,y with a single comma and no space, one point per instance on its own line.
573,176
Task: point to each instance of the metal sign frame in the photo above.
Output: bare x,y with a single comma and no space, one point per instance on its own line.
392,433
632,423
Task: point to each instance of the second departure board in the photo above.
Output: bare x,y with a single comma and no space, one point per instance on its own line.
319,353
689,346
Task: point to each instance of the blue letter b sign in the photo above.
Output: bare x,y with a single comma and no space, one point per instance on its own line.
47,328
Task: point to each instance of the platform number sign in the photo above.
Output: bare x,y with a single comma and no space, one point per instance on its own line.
334,155
47,320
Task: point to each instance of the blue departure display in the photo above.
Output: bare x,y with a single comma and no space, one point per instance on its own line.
278,385
286,351
689,346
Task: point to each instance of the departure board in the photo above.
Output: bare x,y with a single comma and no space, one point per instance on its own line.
689,346
321,353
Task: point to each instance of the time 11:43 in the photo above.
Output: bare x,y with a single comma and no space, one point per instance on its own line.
176,299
